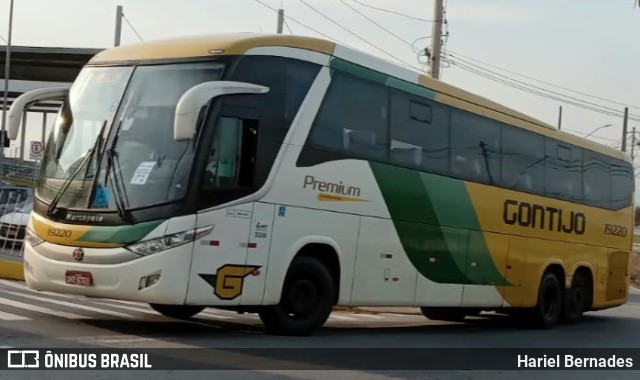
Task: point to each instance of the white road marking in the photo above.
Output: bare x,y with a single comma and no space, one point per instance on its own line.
40,309
402,315
143,308
70,304
369,316
341,317
11,317
213,314
139,307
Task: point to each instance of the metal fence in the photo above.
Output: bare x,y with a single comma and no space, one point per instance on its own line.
15,207
19,172
16,203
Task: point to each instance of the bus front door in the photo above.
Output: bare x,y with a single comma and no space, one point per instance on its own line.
219,259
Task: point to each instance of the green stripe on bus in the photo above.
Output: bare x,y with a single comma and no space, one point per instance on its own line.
119,235
380,78
358,71
452,203
411,88
437,226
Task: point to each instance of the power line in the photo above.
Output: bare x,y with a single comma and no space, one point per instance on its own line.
3,39
544,95
354,34
378,24
132,28
287,25
528,89
466,65
460,56
299,23
391,12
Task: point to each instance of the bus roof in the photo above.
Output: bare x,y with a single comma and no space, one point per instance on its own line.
240,43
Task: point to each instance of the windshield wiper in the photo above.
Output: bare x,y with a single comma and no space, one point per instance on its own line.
90,154
119,188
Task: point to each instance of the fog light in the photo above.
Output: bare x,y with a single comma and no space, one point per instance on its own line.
148,281
151,280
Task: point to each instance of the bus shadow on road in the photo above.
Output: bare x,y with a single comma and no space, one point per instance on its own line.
491,323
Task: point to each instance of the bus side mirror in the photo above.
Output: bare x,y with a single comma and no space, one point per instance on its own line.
190,104
26,100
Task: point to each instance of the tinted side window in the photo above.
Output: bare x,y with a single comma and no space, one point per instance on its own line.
522,160
622,184
419,133
353,118
475,147
299,78
289,81
563,171
597,184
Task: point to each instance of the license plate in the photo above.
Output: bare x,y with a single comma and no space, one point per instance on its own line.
78,278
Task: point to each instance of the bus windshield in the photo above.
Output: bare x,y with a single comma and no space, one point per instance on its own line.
140,162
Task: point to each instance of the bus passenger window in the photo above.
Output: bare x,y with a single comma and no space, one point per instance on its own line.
475,147
353,118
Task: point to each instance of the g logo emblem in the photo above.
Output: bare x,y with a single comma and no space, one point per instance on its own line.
228,282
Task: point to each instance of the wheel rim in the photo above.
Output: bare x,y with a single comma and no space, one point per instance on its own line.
302,298
550,302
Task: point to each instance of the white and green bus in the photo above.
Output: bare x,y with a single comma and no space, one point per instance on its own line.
286,175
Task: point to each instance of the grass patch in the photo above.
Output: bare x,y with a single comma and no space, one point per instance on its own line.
636,239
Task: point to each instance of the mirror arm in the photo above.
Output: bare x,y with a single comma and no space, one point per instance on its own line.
25,101
194,99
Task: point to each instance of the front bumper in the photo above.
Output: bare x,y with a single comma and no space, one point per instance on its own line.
115,281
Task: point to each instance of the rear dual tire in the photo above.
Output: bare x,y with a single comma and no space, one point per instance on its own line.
558,305
549,307
578,298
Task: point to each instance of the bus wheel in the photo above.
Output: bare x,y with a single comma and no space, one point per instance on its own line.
577,298
548,309
451,314
177,311
307,300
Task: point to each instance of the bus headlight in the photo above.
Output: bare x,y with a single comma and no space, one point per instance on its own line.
33,239
152,246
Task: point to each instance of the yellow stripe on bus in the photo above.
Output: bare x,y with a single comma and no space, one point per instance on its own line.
64,234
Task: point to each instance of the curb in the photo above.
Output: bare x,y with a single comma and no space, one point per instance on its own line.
11,270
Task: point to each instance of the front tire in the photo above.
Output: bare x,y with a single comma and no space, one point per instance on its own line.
306,302
177,311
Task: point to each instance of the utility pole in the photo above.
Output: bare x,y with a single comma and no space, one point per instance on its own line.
560,119
280,20
633,143
436,39
7,72
118,25
624,129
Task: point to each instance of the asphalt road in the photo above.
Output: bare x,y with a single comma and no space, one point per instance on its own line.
44,320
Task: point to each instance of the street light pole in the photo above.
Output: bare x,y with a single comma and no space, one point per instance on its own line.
597,129
7,68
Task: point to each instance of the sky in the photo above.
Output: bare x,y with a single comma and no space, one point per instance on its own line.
590,46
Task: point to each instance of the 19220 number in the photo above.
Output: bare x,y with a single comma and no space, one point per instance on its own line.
615,230
57,232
